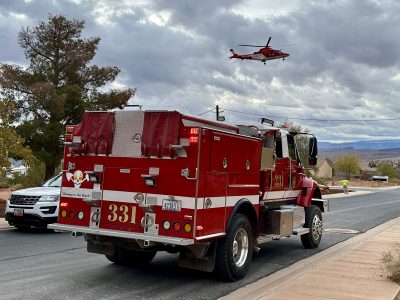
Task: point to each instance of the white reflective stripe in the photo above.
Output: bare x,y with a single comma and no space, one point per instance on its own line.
281,194
232,200
292,194
216,202
187,202
118,196
274,195
210,236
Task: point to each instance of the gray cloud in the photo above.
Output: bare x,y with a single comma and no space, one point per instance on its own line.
344,65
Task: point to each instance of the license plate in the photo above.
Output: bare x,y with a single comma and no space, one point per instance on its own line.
18,212
171,205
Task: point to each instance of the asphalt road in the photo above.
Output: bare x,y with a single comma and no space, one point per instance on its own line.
46,265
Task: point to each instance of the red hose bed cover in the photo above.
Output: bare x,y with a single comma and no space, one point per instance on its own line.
97,131
160,132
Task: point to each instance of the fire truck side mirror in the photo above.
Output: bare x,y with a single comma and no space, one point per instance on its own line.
312,151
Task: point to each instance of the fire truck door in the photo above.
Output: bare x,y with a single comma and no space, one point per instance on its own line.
281,175
214,204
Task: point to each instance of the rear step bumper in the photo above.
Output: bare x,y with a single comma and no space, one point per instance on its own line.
122,234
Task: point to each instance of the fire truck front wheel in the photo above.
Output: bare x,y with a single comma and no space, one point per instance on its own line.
235,250
314,223
131,257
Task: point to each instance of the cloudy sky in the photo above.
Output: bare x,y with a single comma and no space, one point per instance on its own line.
343,68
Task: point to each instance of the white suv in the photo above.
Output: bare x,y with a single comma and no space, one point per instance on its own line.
36,206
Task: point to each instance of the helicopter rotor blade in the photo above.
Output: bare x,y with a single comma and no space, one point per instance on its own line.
268,42
288,45
252,46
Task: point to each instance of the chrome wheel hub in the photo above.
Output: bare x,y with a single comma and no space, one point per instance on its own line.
240,247
317,227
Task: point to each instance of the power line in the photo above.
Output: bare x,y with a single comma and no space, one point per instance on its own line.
312,119
206,112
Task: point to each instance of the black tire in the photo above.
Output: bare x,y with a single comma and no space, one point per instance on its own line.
114,258
132,258
235,250
314,222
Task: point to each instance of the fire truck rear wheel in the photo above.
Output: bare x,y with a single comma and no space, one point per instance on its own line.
114,258
235,250
314,223
131,257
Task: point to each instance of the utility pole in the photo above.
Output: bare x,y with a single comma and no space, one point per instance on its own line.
219,118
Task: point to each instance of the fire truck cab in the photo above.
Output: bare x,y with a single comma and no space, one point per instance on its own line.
138,182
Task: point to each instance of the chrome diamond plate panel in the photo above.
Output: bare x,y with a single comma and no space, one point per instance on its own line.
128,134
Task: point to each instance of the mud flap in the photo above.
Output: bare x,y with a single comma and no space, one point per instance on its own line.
99,245
194,259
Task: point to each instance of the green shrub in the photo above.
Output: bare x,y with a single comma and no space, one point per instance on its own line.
4,183
322,180
391,263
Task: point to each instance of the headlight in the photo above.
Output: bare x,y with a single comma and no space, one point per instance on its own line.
49,198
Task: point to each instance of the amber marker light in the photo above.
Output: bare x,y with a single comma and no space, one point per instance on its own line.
187,228
64,213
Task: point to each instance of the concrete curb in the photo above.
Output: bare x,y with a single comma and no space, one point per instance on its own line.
4,224
350,194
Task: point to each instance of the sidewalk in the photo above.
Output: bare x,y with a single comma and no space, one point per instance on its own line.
3,223
348,270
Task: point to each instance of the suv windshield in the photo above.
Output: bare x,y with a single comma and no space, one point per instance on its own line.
54,182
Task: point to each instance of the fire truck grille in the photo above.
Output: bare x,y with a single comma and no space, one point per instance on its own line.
23,200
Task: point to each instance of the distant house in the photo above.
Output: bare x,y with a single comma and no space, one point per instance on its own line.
17,167
324,168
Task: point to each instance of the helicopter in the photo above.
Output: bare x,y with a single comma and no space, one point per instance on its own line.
264,54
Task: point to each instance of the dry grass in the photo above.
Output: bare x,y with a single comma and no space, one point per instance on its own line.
391,263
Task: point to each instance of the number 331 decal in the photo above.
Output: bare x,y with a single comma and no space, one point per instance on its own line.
122,213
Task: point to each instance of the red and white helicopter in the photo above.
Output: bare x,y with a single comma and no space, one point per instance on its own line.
264,54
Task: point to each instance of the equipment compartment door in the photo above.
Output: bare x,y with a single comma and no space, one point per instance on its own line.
120,208
213,211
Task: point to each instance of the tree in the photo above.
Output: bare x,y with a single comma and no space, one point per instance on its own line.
385,169
11,144
348,164
58,85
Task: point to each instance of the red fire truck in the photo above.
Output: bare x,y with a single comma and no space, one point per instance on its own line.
138,182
